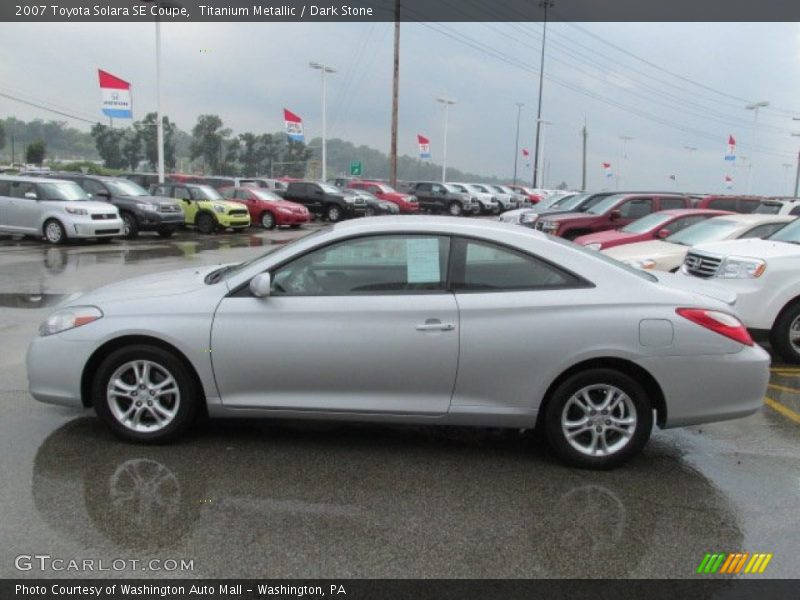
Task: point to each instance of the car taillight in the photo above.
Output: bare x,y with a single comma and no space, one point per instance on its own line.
718,322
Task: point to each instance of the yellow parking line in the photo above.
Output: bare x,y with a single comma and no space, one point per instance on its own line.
784,410
791,370
784,388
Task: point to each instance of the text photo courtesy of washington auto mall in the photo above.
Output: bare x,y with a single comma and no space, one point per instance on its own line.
409,299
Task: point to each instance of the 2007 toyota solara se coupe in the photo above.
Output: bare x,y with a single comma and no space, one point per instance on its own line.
415,320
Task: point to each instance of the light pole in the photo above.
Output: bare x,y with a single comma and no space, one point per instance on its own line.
324,69
447,104
516,144
159,123
625,139
544,125
754,107
797,174
543,4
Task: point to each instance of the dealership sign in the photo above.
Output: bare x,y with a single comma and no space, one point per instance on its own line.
424,147
116,96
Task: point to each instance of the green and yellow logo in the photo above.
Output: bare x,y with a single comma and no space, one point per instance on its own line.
734,563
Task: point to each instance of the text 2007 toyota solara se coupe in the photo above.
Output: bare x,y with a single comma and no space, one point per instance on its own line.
414,320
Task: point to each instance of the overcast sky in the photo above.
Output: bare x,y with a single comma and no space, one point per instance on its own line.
247,73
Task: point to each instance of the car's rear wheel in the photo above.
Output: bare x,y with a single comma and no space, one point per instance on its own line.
145,394
455,209
333,213
54,232
598,419
205,223
785,334
130,228
267,220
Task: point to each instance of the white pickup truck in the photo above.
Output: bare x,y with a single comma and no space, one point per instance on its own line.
765,275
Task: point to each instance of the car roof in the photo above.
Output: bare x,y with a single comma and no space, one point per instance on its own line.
681,212
438,224
755,219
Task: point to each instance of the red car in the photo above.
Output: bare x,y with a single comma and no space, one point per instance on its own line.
267,208
533,195
652,227
405,202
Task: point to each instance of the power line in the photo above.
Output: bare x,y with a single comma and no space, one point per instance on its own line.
52,110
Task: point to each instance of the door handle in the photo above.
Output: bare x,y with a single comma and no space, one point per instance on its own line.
435,325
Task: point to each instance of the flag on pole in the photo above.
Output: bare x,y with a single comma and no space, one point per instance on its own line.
728,181
294,126
116,96
424,146
730,153
527,156
607,169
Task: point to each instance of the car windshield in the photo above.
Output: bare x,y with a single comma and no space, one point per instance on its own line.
711,230
122,187
265,195
789,234
386,189
604,205
481,188
329,189
66,191
570,201
768,208
548,203
606,259
205,192
458,187
647,223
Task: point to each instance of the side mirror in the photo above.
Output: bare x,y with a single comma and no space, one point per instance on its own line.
31,196
102,194
615,214
663,233
261,285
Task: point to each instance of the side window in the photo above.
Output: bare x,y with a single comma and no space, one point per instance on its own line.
670,203
679,224
424,187
398,264
229,193
723,204
161,190
373,189
794,212
763,231
748,205
481,266
91,187
241,195
20,188
182,192
635,209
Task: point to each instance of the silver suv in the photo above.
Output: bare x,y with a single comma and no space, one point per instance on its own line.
56,209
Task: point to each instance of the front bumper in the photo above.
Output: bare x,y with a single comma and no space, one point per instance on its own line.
703,389
292,219
94,229
55,366
236,221
150,220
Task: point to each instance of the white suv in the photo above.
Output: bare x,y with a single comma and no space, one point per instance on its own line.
58,210
765,274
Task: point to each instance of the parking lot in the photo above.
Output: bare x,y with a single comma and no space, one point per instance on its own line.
286,499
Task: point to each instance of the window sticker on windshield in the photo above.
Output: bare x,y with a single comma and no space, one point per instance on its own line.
422,256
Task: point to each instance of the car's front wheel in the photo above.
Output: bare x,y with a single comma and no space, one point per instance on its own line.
145,394
334,213
130,228
598,419
206,223
455,209
785,334
54,232
267,220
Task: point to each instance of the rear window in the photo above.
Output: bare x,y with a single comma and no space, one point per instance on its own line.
723,204
768,208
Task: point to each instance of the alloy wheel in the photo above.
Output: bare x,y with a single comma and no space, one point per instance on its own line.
794,334
143,396
53,232
599,420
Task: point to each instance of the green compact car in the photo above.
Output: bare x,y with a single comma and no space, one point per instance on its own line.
204,207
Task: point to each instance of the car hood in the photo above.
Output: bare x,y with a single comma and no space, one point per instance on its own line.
169,283
606,236
751,247
225,204
290,205
696,286
654,249
563,216
154,199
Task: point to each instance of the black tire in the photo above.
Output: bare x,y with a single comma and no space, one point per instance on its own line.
54,232
334,213
166,232
455,209
105,240
130,227
188,406
563,395
369,212
780,335
205,223
267,220
295,226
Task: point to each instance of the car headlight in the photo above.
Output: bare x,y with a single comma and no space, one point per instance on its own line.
646,264
76,211
741,268
528,218
596,246
146,206
219,209
411,199
69,318
549,226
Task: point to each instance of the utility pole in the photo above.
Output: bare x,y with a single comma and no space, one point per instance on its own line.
447,104
324,69
544,4
584,135
395,96
516,143
754,107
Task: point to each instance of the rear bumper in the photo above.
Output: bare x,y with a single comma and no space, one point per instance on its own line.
703,389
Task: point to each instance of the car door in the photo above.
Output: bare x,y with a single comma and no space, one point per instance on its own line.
315,197
423,192
184,195
511,318
22,210
365,325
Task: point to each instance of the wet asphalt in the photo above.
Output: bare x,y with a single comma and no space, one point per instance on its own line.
286,499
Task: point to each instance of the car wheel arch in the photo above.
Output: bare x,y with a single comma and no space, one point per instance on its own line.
640,374
97,357
786,306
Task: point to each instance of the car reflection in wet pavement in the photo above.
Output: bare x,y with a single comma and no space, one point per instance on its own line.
287,499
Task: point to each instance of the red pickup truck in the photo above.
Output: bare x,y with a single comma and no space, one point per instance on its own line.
613,212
